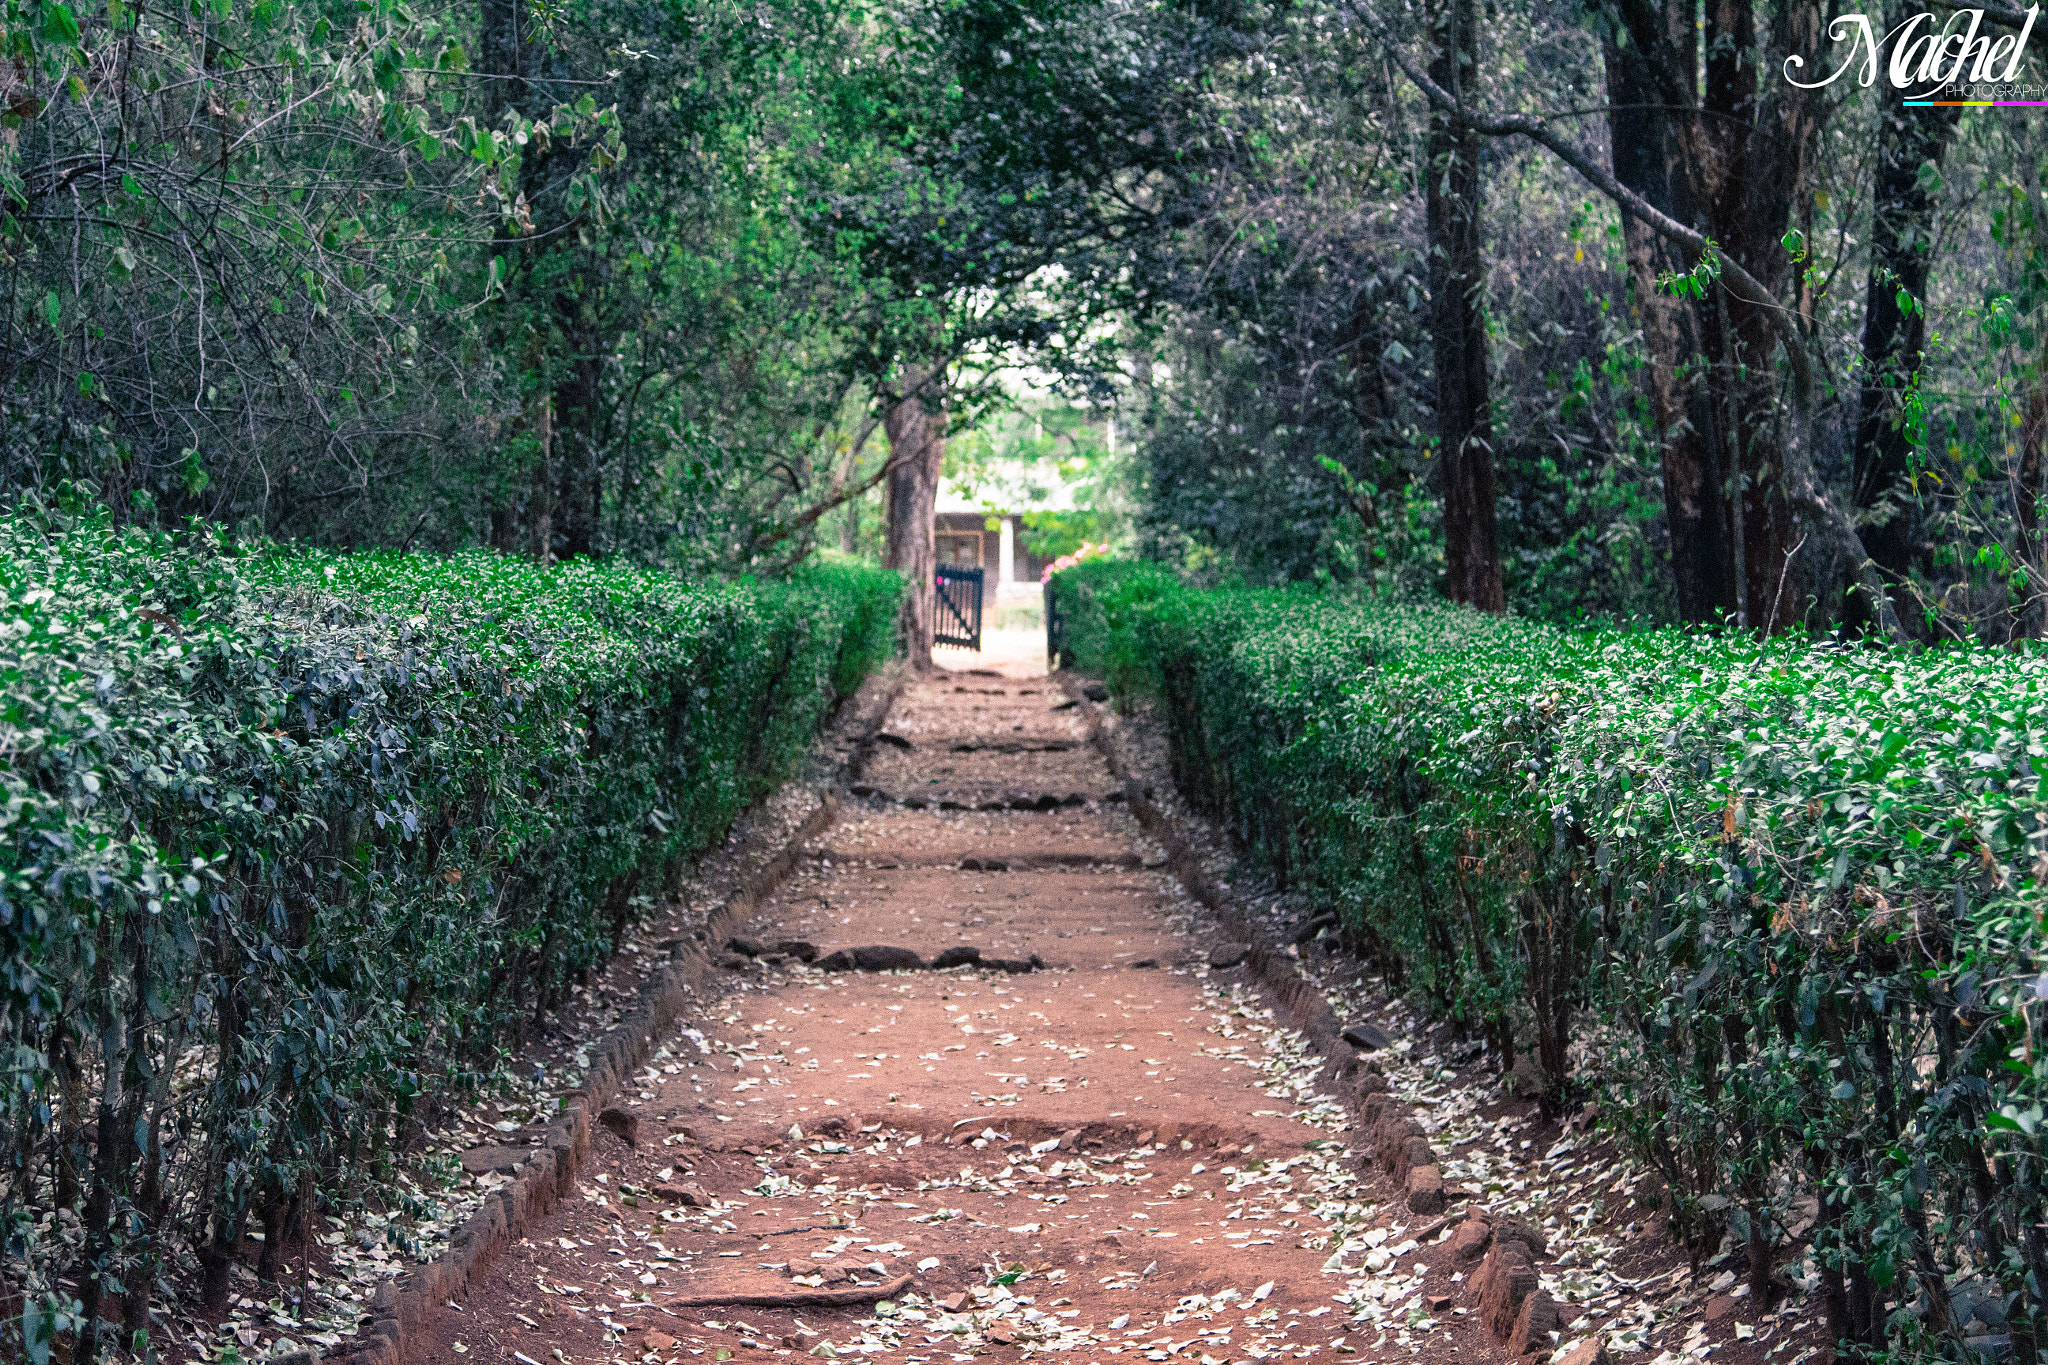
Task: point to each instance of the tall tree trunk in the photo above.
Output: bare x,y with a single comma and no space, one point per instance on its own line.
110,1164
508,61
1895,337
1740,344
1645,147
543,506
2031,618
1457,278
917,429
1373,409
1737,149
579,417
1763,134
561,285
506,53
2026,493
849,519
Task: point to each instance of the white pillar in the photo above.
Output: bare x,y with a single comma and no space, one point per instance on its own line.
1006,553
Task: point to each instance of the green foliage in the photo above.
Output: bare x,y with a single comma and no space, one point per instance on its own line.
1778,898
254,298
294,842
1048,535
1097,602
690,345
975,148
1024,455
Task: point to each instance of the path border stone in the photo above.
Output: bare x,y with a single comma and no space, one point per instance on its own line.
402,1303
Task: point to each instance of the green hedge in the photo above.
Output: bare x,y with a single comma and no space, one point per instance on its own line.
291,840
1781,900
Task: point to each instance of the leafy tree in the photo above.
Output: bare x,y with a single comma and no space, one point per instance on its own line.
239,247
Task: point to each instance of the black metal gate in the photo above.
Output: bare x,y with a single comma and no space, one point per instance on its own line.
1055,629
958,618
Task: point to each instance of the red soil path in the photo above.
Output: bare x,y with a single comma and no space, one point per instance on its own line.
1119,1155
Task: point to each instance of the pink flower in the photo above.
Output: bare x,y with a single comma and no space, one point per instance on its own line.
1068,561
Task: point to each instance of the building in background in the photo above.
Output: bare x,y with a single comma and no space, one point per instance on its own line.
981,526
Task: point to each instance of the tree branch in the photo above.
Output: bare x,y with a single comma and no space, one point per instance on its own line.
1998,14
843,495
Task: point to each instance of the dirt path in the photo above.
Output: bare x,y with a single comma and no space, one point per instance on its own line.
1113,1152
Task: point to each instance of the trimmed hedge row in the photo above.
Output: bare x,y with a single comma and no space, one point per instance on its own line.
1781,901
292,840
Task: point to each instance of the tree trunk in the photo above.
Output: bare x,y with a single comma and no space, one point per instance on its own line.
1457,278
506,61
544,482
1764,134
1736,150
2026,496
1645,150
2031,616
1894,337
916,428
506,53
110,1164
578,425
849,520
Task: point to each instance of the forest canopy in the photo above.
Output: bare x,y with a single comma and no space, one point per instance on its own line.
1588,310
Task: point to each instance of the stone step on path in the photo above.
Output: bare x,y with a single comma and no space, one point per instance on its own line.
1117,1155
